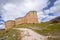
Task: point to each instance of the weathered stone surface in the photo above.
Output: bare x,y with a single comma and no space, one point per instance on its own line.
30,17
9,24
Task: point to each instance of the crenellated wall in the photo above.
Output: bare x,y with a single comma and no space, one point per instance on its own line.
30,17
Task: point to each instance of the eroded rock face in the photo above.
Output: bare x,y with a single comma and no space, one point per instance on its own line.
28,34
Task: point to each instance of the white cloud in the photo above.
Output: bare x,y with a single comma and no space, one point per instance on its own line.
49,18
19,8
15,8
56,8
2,26
41,15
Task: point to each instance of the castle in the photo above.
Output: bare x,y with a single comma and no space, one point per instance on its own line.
30,17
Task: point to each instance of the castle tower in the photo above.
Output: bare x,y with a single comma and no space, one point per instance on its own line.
2,24
31,17
9,24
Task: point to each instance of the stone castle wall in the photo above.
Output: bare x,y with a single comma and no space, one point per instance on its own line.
9,24
30,17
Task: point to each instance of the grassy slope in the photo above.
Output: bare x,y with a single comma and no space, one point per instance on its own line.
10,34
46,28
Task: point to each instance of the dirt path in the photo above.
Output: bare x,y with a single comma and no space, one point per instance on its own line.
28,34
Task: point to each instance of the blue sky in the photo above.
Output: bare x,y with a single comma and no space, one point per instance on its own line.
46,9
49,4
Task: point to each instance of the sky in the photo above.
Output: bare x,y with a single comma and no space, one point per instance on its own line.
46,9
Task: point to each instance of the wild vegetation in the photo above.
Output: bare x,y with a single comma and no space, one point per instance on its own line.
46,28
50,28
10,34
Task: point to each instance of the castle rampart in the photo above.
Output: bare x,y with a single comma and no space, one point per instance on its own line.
30,17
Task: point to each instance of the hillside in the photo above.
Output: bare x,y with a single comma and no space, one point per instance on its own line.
10,34
47,29
50,29
57,19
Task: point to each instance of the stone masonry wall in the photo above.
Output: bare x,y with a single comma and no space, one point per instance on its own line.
9,24
30,17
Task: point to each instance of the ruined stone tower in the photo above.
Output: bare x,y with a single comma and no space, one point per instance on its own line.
30,17
9,24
